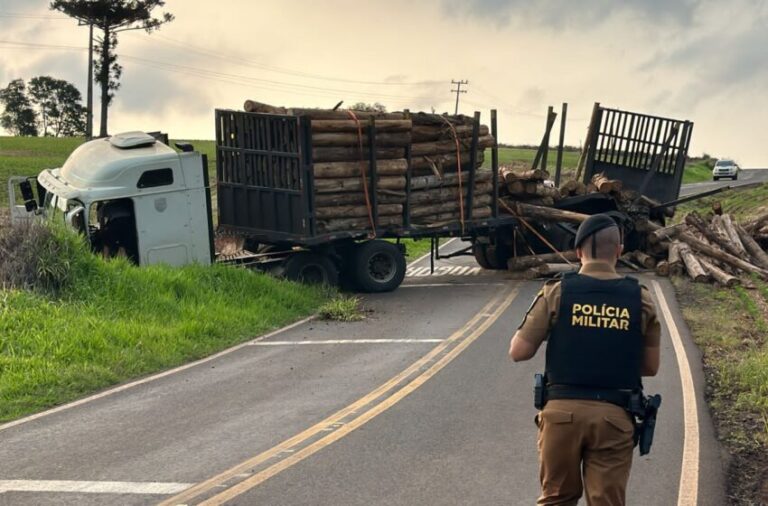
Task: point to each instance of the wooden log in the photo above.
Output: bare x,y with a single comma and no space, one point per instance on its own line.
384,140
352,154
425,118
719,275
755,251
662,268
733,235
254,106
522,263
449,147
545,213
755,224
341,212
437,195
548,270
326,170
721,255
674,259
692,265
645,260
697,222
356,198
665,233
452,179
357,224
439,220
509,174
355,184
605,185
717,208
350,126
328,114
445,162
432,133
573,187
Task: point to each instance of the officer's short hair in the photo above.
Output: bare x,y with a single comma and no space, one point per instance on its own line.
606,242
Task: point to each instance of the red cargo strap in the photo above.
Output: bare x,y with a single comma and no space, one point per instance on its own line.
352,115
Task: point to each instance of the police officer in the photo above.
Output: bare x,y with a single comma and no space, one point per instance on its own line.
602,335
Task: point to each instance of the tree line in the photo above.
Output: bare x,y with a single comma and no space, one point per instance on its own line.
46,106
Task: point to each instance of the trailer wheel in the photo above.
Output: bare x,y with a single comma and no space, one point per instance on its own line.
480,252
311,268
378,266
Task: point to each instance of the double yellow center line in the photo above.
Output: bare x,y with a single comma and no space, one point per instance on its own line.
252,472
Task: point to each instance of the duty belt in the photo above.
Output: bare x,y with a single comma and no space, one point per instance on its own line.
621,398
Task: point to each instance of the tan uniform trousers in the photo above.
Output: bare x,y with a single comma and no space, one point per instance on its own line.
589,439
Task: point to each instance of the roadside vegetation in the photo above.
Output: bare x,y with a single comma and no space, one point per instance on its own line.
730,325
72,323
342,308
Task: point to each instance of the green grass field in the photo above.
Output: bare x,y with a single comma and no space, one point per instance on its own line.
111,322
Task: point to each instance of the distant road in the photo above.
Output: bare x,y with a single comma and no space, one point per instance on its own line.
746,176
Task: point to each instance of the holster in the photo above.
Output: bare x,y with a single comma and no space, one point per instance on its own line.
539,391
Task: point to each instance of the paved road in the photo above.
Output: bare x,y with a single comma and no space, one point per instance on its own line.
746,176
416,405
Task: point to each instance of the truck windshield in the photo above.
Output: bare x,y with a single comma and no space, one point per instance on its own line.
724,163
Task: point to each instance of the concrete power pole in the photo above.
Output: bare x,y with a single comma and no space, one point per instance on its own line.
457,91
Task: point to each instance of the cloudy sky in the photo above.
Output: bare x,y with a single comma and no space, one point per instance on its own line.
702,60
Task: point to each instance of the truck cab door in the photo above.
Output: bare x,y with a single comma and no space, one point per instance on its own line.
23,202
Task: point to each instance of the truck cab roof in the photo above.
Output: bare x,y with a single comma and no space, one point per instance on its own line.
110,167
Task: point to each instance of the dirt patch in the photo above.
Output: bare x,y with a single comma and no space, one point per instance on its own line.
728,334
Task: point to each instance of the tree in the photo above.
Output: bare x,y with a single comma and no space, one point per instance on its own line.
112,17
58,103
18,117
362,106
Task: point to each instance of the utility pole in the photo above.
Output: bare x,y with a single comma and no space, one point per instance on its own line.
457,91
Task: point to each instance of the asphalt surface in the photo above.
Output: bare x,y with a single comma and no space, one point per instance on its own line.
433,421
746,176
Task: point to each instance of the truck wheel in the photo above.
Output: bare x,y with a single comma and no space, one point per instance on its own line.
378,266
311,268
481,255
495,258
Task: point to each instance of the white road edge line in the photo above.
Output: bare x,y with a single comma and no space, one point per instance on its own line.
688,491
148,379
345,341
93,487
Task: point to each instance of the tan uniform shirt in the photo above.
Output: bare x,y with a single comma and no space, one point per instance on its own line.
543,314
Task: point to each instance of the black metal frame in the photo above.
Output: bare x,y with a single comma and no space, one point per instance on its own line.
239,195
647,153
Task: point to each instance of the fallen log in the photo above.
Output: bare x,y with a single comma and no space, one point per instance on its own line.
645,260
721,255
352,154
662,268
544,213
573,187
350,126
756,223
733,235
692,265
522,263
605,185
543,270
755,251
341,212
355,184
719,275
662,234
710,233
674,260
326,170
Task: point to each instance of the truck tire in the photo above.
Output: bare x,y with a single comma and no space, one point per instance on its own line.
311,268
494,255
378,266
480,252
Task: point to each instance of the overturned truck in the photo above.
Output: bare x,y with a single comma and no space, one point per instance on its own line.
327,196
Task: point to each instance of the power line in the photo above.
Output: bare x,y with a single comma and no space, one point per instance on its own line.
458,90
31,16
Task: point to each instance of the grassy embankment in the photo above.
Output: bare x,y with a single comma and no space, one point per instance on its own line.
731,328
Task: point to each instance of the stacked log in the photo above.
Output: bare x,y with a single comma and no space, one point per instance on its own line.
530,186
440,165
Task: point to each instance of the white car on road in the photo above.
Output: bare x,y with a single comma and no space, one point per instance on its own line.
725,168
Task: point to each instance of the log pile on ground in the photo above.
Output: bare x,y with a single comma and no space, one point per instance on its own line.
440,161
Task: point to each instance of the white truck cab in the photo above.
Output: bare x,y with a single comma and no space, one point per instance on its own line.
133,195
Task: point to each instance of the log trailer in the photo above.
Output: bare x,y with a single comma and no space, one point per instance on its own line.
132,192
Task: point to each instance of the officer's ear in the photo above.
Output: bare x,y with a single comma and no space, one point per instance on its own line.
579,253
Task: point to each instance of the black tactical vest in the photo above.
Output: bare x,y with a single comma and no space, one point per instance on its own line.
597,341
